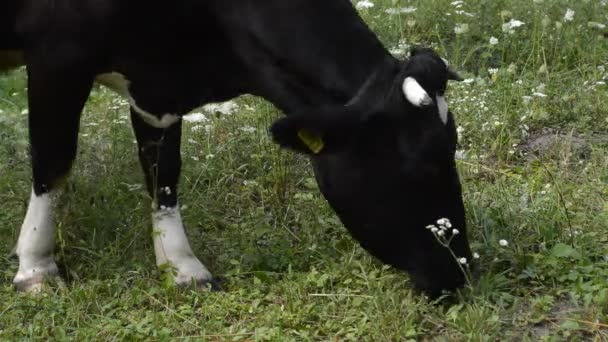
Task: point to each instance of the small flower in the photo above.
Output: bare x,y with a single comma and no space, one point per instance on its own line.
511,25
475,255
403,10
364,4
503,243
434,229
195,117
430,226
594,24
569,16
455,231
462,260
441,233
461,28
442,221
493,40
248,129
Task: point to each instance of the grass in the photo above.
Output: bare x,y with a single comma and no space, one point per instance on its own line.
290,271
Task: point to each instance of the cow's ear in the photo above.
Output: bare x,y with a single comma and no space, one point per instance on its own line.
316,132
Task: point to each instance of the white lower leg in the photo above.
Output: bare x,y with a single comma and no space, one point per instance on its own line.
171,247
36,244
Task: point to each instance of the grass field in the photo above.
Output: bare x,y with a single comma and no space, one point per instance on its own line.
533,124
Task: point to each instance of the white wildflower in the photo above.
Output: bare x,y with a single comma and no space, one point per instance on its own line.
569,16
434,229
511,25
493,40
475,255
226,108
455,231
402,10
462,260
364,4
441,233
195,117
539,94
461,28
492,71
503,243
248,129
594,24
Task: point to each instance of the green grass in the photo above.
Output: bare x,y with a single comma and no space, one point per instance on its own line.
289,269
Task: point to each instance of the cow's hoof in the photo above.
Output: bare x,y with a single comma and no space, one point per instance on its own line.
32,279
190,271
203,285
35,280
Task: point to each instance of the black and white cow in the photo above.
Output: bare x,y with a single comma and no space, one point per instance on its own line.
377,129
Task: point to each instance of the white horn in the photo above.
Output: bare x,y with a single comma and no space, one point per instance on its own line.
415,94
442,107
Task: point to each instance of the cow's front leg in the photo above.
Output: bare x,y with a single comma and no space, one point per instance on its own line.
57,93
159,155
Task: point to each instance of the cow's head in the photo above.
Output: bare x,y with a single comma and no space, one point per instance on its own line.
385,163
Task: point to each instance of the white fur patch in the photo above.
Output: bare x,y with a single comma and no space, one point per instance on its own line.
171,247
442,107
120,84
415,94
36,244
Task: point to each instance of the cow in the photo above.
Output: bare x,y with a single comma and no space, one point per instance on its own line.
376,129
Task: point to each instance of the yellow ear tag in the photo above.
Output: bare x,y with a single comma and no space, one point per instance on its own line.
315,143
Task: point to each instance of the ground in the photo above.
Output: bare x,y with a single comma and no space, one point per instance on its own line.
533,120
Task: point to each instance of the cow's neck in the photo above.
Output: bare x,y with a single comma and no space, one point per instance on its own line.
319,55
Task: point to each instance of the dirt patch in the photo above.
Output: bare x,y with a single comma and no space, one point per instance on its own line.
550,143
